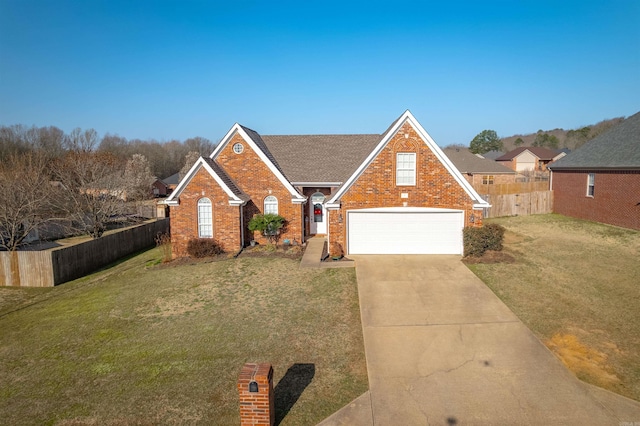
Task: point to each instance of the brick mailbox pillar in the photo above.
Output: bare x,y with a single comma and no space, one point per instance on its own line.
255,388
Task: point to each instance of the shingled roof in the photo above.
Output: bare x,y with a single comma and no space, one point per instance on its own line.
542,153
467,162
320,158
227,180
617,148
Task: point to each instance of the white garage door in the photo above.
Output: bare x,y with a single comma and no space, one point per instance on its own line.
405,231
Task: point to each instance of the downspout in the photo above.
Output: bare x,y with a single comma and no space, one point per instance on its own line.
328,228
241,227
550,180
241,232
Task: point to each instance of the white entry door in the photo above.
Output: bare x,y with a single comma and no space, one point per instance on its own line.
405,231
317,222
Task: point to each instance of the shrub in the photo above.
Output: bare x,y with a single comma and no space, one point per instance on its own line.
336,250
163,240
479,240
203,247
268,224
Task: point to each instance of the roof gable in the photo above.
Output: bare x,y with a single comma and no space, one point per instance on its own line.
407,117
254,140
236,196
540,152
617,148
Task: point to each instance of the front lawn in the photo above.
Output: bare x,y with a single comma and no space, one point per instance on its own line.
145,343
576,284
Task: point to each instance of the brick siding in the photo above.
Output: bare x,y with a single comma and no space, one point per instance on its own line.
376,186
498,179
184,217
253,176
616,199
256,408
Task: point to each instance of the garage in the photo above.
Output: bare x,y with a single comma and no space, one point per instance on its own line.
405,230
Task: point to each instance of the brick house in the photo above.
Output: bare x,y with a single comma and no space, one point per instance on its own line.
527,158
394,192
163,187
478,170
600,181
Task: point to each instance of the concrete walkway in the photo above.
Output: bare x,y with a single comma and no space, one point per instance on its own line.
312,257
442,349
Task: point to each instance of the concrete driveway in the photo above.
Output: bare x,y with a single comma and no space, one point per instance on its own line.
442,349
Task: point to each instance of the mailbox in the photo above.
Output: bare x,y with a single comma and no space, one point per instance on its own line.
317,212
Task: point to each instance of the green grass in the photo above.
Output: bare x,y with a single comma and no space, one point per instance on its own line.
576,284
143,343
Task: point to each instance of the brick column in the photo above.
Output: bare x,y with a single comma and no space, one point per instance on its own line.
255,388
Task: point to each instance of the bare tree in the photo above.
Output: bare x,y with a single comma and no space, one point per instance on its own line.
94,189
199,144
25,198
82,141
189,161
138,178
114,144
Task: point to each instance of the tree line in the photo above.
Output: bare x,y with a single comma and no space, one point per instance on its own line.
77,180
488,140
165,158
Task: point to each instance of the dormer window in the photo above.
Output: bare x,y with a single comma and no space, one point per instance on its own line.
405,168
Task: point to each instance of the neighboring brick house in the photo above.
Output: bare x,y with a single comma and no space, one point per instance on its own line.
528,158
478,170
163,187
391,193
600,181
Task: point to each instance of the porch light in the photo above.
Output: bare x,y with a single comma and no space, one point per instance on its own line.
472,218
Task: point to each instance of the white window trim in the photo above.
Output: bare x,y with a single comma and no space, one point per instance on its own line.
413,169
591,185
238,148
270,201
205,218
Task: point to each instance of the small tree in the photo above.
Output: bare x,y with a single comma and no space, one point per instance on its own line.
138,178
26,200
268,224
94,190
485,141
189,161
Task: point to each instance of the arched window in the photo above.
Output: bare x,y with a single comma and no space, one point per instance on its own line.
205,219
271,205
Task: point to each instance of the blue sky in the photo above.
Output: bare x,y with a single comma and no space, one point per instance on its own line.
177,69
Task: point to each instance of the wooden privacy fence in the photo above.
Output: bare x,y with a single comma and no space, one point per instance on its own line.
48,268
512,188
524,204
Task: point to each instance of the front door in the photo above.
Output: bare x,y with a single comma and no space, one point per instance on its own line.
317,214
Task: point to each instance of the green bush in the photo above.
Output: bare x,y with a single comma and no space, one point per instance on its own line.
204,247
479,240
268,224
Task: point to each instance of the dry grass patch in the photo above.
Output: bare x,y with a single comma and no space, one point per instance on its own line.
147,343
575,284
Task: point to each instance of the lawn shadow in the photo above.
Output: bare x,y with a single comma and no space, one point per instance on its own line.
290,387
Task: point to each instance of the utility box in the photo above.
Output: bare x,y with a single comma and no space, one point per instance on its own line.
255,388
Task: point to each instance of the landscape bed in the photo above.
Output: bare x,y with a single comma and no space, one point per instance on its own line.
149,343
